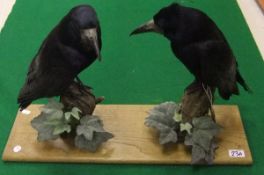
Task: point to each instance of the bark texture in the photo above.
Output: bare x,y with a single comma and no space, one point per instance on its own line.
197,101
80,96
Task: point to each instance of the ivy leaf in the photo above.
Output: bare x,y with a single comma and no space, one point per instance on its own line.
204,131
54,116
75,113
177,117
166,108
92,145
186,127
188,140
202,140
161,118
45,131
90,133
198,155
206,123
210,154
67,116
88,126
49,128
50,123
52,106
61,128
168,136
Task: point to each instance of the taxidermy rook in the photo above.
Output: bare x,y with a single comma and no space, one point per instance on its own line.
73,45
198,43
70,47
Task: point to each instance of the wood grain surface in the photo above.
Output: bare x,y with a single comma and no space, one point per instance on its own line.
133,141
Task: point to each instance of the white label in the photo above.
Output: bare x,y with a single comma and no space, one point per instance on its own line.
236,153
17,148
26,112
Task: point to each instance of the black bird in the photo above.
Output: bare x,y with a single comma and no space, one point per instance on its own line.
70,47
199,44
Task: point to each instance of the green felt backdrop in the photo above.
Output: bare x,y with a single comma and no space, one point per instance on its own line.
134,70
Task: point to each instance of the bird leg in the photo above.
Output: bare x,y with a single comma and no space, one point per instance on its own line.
197,101
209,95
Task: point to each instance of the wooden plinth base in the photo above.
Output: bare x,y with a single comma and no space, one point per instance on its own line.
133,141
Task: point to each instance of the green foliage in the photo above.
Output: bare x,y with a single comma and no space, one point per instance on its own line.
199,135
161,118
89,125
50,123
202,140
186,127
90,133
75,113
177,117
52,104
53,121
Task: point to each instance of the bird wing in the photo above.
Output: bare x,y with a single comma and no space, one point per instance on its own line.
44,80
219,68
212,62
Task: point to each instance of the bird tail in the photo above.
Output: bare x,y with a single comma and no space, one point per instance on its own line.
242,82
23,104
227,89
24,99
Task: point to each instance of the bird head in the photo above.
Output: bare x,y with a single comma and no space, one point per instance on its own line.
162,22
81,29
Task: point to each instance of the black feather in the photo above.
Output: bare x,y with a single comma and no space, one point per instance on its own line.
199,44
61,57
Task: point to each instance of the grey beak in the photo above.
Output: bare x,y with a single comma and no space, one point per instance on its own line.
150,26
90,36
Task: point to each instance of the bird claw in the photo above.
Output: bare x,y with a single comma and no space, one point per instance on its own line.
99,99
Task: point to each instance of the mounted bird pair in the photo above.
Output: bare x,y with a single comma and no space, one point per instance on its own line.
75,43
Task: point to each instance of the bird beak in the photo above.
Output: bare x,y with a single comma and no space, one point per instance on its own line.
150,26
89,36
